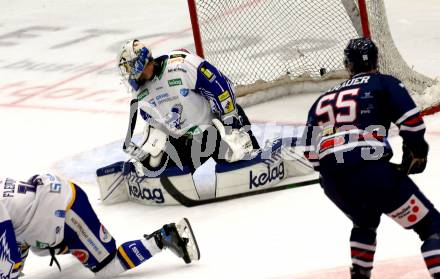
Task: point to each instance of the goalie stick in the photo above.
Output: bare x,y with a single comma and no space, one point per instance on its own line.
131,123
182,199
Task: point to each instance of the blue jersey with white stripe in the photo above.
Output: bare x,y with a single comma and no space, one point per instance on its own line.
350,122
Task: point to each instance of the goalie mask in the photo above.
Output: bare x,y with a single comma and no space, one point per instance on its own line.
131,61
360,56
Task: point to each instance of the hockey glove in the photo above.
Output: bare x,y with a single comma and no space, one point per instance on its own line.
238,141
414,159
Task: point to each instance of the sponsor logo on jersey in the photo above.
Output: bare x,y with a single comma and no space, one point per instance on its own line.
55,187
184,92
81,255
104,235
207,73
6,262
410,213
144,93
150,194
177,55
60,213
175,82
57,230
177,60
136,251
228,105
9,188
164,98
224,96
177,69
87,237
272,174
366,95
41,245
152,103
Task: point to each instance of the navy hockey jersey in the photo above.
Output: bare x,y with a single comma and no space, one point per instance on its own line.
350,122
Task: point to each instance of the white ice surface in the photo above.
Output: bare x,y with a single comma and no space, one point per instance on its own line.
267,236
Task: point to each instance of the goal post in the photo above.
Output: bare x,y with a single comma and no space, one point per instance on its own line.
276,48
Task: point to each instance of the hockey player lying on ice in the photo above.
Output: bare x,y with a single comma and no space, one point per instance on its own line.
51,216
348,128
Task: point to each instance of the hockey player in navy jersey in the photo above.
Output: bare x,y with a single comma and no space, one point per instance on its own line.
347,131
182,97
51,216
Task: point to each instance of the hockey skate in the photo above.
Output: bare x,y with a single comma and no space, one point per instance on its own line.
179,238
357,272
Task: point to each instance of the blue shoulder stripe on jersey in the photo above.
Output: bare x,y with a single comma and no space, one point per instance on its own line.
215,87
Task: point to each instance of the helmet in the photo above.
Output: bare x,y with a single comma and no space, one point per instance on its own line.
132,59
360,55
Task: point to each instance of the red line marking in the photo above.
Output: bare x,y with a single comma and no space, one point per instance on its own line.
94,69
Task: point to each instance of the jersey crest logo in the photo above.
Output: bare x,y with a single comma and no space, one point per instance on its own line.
174,118
184,92
6,262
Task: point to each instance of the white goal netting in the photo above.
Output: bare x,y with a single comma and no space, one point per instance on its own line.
260,44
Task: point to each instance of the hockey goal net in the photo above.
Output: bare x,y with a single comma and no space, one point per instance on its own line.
273,48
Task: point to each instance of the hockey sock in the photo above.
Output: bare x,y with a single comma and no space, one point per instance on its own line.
363,247
431,255
133,253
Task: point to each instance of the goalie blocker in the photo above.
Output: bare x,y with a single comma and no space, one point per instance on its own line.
278,166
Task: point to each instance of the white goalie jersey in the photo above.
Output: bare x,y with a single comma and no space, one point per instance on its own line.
37,213
185,96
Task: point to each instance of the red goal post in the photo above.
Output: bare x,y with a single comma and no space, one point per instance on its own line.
276,48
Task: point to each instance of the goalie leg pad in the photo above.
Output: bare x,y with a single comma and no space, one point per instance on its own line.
122,182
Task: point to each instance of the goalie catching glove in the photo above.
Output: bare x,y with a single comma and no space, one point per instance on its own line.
238,141
151,148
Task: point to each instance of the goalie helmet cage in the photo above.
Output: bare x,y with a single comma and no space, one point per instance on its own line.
272,48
